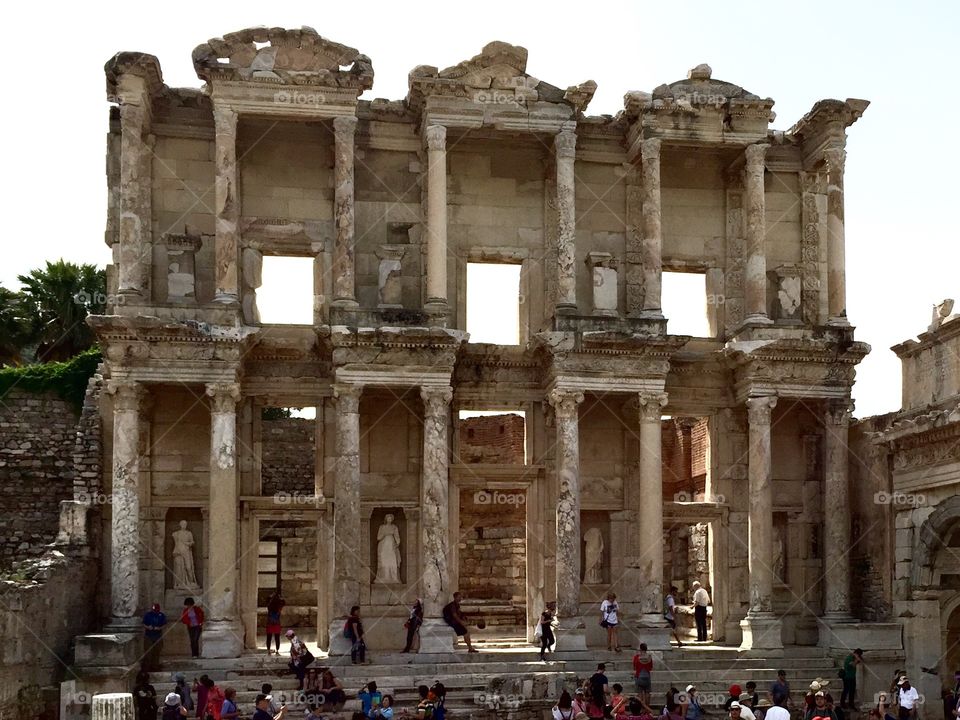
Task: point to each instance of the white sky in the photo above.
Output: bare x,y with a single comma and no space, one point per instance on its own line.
902,238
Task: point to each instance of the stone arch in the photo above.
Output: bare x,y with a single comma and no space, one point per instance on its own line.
932,535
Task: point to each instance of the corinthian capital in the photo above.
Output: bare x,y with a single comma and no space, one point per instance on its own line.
838,413
348,397
760,409
436,137
650,406
128,395
835,158
565,144
756,156
650,149
344,128
565,403
436,400
223,397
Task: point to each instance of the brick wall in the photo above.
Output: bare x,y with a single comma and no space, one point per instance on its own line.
684,456
492,439
493,545
288,455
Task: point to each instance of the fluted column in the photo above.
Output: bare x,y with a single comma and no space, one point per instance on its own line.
346,509
836,510
344,269
836,243
565,150
755,235
135,250
652,228
223,636
125,507
650,512
436,138
566,404
227,210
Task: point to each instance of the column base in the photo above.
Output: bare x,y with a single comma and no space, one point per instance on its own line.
226,299
571,636
762,635
839,321
221,639
653,630
436,637
345,303
651,314
438,310
757,319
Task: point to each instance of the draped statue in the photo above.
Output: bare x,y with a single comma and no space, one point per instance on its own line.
388,552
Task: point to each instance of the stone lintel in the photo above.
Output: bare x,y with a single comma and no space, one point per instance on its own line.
605,384
392,377
284,101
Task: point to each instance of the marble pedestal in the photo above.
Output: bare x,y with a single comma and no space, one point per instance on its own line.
571,636
221,639
436,637
339,645
654,631
761,634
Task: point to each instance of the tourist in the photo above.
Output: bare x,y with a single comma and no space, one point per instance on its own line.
182,689
674,709
694,708
881,710
751,688
598,689
332,689
732,694
563,710
821,709
426,704
848,696
192,617
642,669
313,713
311,686
700,602
895,683
439,694
669,614
229,709
261,713
385,711
173,708
453,616
215,698
580,702
412,625
609,620
153,622
778,710
735,710
274,606
300,657
369,698
545,632
908,699
618,701
747,711
145,698
201,688
353,631
637,710
267,689
781,686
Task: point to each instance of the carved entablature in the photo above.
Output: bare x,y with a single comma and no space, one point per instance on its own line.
699,109
125,65
794,368
275,71
516,372
825,126
493,89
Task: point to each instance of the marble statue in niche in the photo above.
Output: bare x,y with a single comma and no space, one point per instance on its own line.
184,571
388,552
593,557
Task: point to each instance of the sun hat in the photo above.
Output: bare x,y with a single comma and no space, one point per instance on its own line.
172,700
734,705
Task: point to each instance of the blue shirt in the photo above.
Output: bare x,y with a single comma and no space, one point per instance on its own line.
158,620
368,699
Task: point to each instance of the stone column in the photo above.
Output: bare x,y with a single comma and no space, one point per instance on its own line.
652,227
836,512
344,261
761,629
434,518
125,508
565,151
650,512
436,137
135,250
227,210
222,632
836,250
566,404
755,279
346,511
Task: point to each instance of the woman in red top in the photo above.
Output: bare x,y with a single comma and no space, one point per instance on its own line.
642,667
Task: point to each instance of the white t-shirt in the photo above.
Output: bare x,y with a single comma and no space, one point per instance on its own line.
746,713
671,603
700,597
908,698
609,610
777,712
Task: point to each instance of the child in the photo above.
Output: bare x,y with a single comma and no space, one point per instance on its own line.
617,700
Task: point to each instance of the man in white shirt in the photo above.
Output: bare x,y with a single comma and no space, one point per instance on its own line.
909,697
741,712
778,711
700,601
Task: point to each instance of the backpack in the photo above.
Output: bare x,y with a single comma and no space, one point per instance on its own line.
347,630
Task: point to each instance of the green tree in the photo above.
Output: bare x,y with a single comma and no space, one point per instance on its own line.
57,300
14,328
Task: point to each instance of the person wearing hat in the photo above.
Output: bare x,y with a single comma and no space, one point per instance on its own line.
262,702
300,657
153,622
848,696
694,708
173,708
735,709
821,710
908,698
746,707
580,702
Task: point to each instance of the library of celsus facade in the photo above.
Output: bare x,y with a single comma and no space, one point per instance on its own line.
649,458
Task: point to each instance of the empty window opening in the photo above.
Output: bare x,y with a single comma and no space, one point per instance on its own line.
497,437
268,567
685,303
493,303
286,295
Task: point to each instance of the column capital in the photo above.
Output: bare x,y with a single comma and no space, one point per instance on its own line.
565,402
756,156
565,144
650,149
435,137
835,158
344,127
348,396
759,409
225,120
649,405
436,400
128,395
838,412
224,397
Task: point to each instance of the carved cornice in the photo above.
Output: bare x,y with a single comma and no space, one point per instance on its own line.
142,65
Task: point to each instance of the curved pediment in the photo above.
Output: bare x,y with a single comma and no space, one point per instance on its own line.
301,57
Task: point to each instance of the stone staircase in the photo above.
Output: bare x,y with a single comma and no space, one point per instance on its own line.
506,679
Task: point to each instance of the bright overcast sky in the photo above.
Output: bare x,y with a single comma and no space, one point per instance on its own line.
902,240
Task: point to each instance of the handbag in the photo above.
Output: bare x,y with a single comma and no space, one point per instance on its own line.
306,658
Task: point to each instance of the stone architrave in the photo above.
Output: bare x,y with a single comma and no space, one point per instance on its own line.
227,207
835,158
344,259
650,520
125,507
652,247
836,519
436,140
566,405
755,235
222,634
434,517
135,250
565,151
